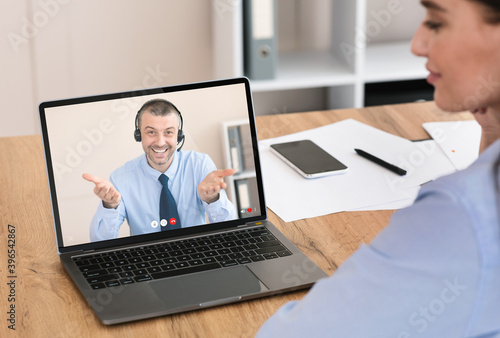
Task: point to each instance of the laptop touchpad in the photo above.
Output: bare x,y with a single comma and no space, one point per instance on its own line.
207,287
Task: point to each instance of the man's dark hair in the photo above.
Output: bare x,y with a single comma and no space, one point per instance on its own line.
158,107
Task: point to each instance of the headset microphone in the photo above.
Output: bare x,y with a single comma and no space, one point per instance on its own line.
137,132
180,138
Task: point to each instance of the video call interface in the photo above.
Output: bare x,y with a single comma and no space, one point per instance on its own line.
98,137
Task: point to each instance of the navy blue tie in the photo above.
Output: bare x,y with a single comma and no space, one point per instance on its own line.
169,217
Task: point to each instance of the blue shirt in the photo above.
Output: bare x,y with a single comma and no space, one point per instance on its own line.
433,272
140,190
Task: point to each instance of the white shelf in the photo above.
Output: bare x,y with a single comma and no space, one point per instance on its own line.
307,69
392,62
330,64
246,174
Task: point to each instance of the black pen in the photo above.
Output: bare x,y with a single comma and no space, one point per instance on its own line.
381,162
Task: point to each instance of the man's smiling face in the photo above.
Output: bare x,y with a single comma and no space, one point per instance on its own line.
159,139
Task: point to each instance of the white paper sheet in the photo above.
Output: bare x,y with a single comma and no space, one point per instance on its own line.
459,140
366,186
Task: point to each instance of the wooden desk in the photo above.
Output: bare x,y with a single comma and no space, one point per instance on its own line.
47,304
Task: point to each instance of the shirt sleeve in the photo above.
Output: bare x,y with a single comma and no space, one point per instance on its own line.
220,210
415,279
106,222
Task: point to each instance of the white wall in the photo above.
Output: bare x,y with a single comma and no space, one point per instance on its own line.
64,48
397,27
16,75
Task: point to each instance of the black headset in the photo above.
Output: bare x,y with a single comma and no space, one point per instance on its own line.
180,134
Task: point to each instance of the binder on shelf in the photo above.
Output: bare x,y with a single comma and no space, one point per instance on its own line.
247,197
260,47
235,149
247,148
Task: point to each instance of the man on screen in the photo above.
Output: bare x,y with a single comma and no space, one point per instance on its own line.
191,192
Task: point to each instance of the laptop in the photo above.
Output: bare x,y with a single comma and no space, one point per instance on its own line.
142,271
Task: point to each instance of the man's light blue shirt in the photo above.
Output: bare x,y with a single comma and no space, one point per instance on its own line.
140,190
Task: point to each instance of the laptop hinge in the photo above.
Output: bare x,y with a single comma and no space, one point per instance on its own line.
250,224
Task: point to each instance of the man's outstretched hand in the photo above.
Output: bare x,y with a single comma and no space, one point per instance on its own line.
105,191
213,183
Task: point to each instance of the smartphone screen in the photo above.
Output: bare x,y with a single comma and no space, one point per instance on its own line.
309,159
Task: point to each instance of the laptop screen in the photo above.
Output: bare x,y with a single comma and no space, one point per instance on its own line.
95,160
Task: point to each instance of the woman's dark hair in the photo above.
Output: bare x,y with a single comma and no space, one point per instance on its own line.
491,9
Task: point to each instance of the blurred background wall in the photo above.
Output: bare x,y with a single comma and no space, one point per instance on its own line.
54,49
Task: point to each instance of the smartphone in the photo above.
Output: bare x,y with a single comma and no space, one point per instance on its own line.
308,159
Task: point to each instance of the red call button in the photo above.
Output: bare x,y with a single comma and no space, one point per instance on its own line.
173,221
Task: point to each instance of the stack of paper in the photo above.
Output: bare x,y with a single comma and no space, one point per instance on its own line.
459,140
366,185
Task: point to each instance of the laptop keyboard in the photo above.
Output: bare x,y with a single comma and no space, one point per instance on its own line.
145,263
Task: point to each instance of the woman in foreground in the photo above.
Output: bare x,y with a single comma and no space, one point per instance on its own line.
435,270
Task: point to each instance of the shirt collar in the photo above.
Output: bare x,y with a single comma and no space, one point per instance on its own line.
154,174
490,153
